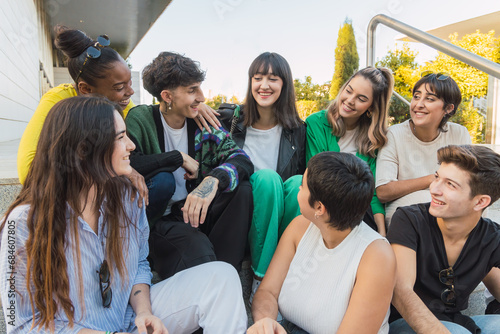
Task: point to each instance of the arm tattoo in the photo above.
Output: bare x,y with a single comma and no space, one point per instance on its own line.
205,188
137,292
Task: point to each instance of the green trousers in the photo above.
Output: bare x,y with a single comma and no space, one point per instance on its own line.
275,206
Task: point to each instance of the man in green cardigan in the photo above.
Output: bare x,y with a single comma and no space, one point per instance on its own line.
209,213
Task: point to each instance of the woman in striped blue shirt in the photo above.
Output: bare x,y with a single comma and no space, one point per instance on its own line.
74,247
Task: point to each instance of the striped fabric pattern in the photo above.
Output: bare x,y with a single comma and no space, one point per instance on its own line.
120,316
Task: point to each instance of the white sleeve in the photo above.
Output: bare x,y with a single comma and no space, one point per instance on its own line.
387,162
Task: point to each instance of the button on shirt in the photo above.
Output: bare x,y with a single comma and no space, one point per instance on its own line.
120,316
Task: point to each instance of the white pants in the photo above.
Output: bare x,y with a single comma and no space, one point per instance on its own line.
207,296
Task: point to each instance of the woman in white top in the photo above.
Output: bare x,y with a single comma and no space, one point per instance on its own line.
268,128
331,273
407,163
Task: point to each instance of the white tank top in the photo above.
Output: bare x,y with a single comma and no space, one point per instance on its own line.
319,282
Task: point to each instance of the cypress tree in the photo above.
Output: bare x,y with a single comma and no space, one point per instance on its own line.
346,58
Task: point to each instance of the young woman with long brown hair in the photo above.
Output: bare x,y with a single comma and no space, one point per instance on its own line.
356,122
74,247
270,131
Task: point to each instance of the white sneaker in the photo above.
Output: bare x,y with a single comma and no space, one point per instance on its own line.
255,286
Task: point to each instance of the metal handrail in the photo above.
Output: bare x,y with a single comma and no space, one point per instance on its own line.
454,51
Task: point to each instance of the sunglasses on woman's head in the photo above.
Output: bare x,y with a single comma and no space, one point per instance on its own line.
440,75
94,51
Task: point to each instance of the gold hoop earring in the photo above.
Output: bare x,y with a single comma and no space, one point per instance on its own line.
368,114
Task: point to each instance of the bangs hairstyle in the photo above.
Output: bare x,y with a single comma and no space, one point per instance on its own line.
285,110
168,71
481,163
446,90
344,184
74,154
372,125
74,44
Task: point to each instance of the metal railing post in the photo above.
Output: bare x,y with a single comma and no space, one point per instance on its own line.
443,46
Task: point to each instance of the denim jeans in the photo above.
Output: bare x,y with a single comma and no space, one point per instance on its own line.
161,187
489,324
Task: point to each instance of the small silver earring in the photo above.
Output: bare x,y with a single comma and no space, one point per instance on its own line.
316,216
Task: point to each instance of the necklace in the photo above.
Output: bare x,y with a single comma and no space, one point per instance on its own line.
414,131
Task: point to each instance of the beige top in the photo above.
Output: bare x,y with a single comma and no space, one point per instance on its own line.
405,157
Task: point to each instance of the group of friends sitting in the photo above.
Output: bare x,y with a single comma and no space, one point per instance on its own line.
339,216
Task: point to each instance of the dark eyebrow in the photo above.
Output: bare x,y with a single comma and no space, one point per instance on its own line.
119,83
119,133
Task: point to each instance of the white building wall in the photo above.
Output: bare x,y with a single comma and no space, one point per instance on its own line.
61,76
19,66
136,86
44,49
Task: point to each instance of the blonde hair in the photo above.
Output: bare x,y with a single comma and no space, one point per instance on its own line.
372,125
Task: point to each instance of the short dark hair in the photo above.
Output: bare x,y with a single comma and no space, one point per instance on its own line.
344,184
73,43
482,164
446,89
286,110
170,70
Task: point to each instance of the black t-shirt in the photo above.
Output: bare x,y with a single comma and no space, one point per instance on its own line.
415,228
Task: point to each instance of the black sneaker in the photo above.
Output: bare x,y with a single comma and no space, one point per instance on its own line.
493,307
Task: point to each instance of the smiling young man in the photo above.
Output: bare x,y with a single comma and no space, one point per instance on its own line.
444,248
209,213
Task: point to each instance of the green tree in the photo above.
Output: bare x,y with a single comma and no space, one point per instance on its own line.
311,97
472,82
346,58
401,61
470,117
217,100
307,90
